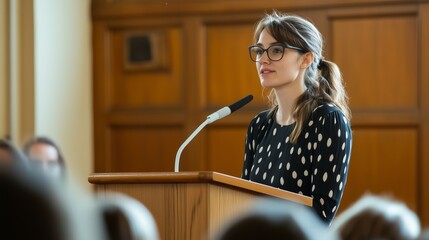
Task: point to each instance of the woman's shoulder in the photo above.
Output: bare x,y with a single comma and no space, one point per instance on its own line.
325,109
329,112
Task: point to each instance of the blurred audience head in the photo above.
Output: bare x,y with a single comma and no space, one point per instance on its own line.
33,207
127,219
43,152
376,217
11,156
276,219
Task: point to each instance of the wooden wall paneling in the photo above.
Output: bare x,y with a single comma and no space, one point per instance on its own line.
129,8
100,98
144,148
424,104
384,161
376,56
193,156
147,88
226,149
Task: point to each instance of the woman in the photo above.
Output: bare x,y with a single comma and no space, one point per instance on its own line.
46,154
303,143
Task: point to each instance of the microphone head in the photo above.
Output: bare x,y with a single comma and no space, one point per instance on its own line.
240,103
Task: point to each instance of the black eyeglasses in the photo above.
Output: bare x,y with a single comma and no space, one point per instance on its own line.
274,52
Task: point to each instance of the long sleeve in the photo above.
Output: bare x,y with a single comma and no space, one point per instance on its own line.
332,145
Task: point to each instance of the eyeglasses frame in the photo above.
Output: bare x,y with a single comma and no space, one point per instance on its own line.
266,50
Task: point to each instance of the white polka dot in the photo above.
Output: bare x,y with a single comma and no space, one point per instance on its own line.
270,165
253,166
269,153
274,131
341,186
282,181
309,146
287,140
259,160
324,214
325,176
335,208
320,118
343,146
319,137
257,171
333,169
306,135
294,175
313,187
345,170
279,145
288,166
280,165
344,158
315,171
311,159
272,179
280,154
329,142
303,160
299,151
322,202
251,129
335,121
319,158
253,144
339,132
310,123
300,193
291,150
338,177
299,183
245,172
347,135
306,173
264,176
268,149
260,149
245,156
257,120
331,157
330,194
315,145
323,122
250,147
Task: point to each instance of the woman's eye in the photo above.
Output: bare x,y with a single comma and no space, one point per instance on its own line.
277,50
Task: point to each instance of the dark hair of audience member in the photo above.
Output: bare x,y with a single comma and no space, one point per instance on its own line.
377,217
276,219
27,208
11,156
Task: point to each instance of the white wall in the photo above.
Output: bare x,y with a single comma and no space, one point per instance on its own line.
63,80
4,101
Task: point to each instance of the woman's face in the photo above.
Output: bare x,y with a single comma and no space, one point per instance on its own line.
278,74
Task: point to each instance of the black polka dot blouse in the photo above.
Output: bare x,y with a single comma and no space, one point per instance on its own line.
316,165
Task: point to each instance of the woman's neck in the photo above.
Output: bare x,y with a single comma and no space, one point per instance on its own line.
286,100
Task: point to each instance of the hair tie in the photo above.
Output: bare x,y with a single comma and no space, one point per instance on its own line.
321,64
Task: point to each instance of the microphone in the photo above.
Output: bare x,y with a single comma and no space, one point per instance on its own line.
221,113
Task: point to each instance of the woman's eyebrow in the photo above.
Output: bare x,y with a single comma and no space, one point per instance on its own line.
270,44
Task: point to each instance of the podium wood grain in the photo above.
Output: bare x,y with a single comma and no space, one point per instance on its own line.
189,205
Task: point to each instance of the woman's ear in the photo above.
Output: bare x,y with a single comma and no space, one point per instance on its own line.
307,59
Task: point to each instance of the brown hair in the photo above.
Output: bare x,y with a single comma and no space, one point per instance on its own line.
322,78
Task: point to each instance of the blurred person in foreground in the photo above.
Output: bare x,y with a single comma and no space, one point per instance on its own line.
275,219
377,217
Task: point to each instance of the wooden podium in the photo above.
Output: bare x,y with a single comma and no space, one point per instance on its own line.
189,205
